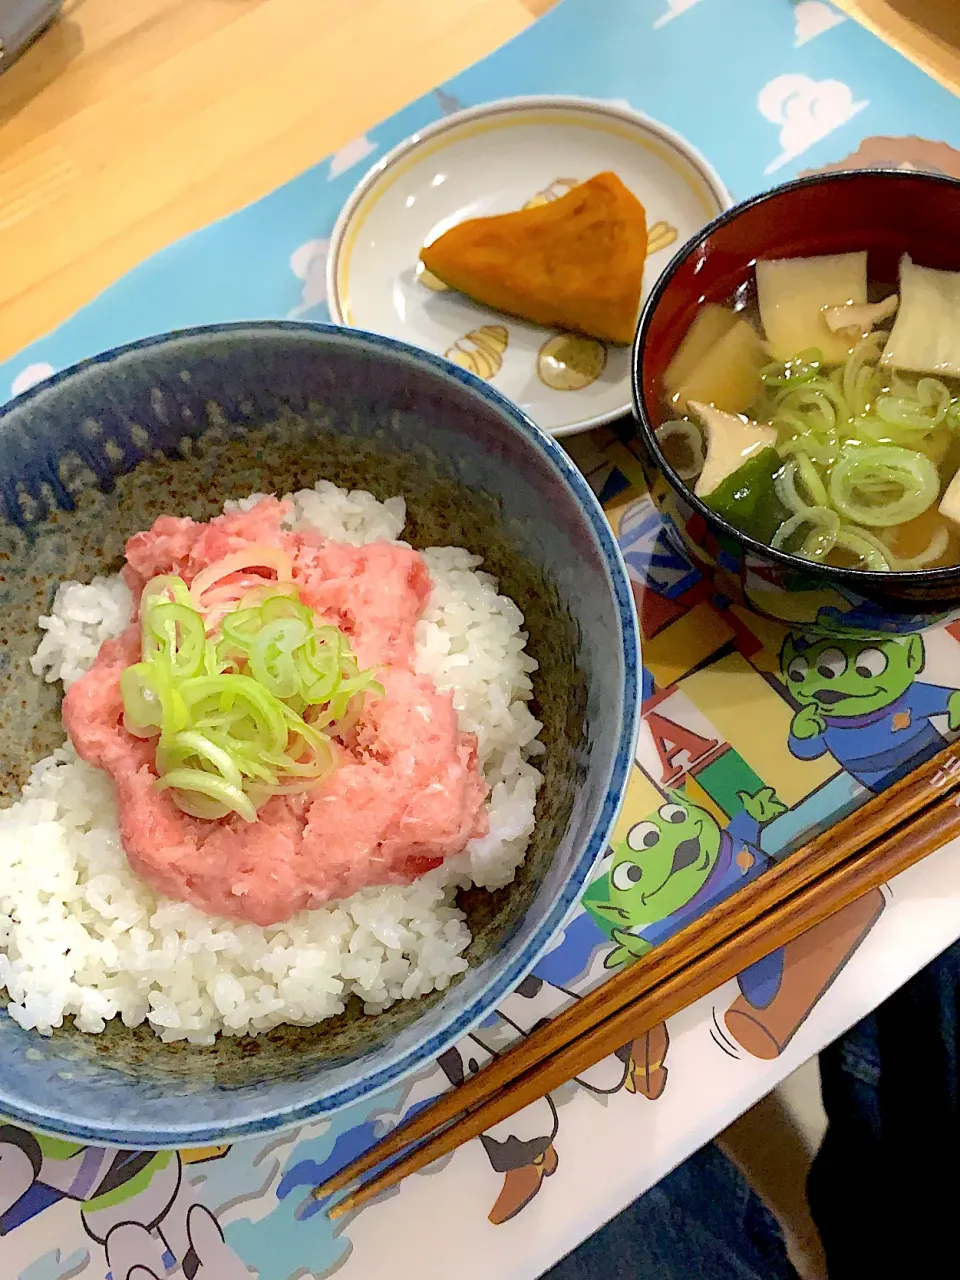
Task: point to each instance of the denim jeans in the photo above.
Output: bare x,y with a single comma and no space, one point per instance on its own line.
701,1222
884,1189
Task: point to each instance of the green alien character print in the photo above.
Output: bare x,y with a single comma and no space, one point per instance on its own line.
674,866
860,700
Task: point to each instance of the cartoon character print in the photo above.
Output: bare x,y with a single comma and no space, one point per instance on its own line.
674,866
136,1205
677,864
522,1150
860,700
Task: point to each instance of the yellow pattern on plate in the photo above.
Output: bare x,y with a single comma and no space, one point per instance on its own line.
481,350
557,188
660,236
430,281
568,362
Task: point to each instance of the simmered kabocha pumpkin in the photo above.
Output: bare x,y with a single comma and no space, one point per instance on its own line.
574,263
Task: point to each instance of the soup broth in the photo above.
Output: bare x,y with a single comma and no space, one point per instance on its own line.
819,412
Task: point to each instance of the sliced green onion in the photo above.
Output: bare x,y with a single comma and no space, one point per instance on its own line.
790,373
234,700
856,379
799,467
691,436
932,552
151,699
252,557
176,749
203,795
243,755
823,525
860,442
924,410
252,594
177,633
869,549
165,588
820,398
272,655
811,479
274,605
883,485
822,449
227,709
349,719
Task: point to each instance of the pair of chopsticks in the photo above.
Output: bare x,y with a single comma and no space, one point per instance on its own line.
883,837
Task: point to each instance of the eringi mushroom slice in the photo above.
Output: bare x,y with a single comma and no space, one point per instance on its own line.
731,441
926,336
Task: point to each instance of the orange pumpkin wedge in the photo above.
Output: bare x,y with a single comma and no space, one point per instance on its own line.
575,263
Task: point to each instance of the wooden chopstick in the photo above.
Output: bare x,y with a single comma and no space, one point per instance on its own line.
876,863
769,894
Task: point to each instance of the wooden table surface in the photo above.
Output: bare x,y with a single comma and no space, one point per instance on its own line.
132,122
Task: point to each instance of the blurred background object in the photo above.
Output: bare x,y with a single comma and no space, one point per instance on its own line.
21,21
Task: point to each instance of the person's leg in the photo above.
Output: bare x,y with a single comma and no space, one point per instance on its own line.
884,1189
701,1222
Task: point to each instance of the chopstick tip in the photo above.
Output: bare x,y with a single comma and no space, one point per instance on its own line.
341,1208
336,1182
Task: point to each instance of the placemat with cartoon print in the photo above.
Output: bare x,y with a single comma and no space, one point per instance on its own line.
737,758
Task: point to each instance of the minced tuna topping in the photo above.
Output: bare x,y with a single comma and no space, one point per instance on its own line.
407,791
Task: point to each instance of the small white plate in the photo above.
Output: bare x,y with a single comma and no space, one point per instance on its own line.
493,159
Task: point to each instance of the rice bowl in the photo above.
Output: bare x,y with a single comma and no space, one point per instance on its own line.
184,422
82,935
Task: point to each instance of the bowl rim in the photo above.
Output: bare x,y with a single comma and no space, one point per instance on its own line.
396,1066
505,106
864,581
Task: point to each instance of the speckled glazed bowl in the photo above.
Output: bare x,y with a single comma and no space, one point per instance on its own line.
178,424
886,212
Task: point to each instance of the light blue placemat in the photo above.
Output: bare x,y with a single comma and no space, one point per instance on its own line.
765,88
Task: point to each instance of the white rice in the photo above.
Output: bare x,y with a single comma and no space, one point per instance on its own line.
81,934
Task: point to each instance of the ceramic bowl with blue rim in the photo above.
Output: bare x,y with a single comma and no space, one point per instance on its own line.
180,423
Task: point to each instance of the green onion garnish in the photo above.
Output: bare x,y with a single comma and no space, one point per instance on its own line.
247,711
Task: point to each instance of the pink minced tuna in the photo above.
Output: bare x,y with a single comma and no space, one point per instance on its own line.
407,793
